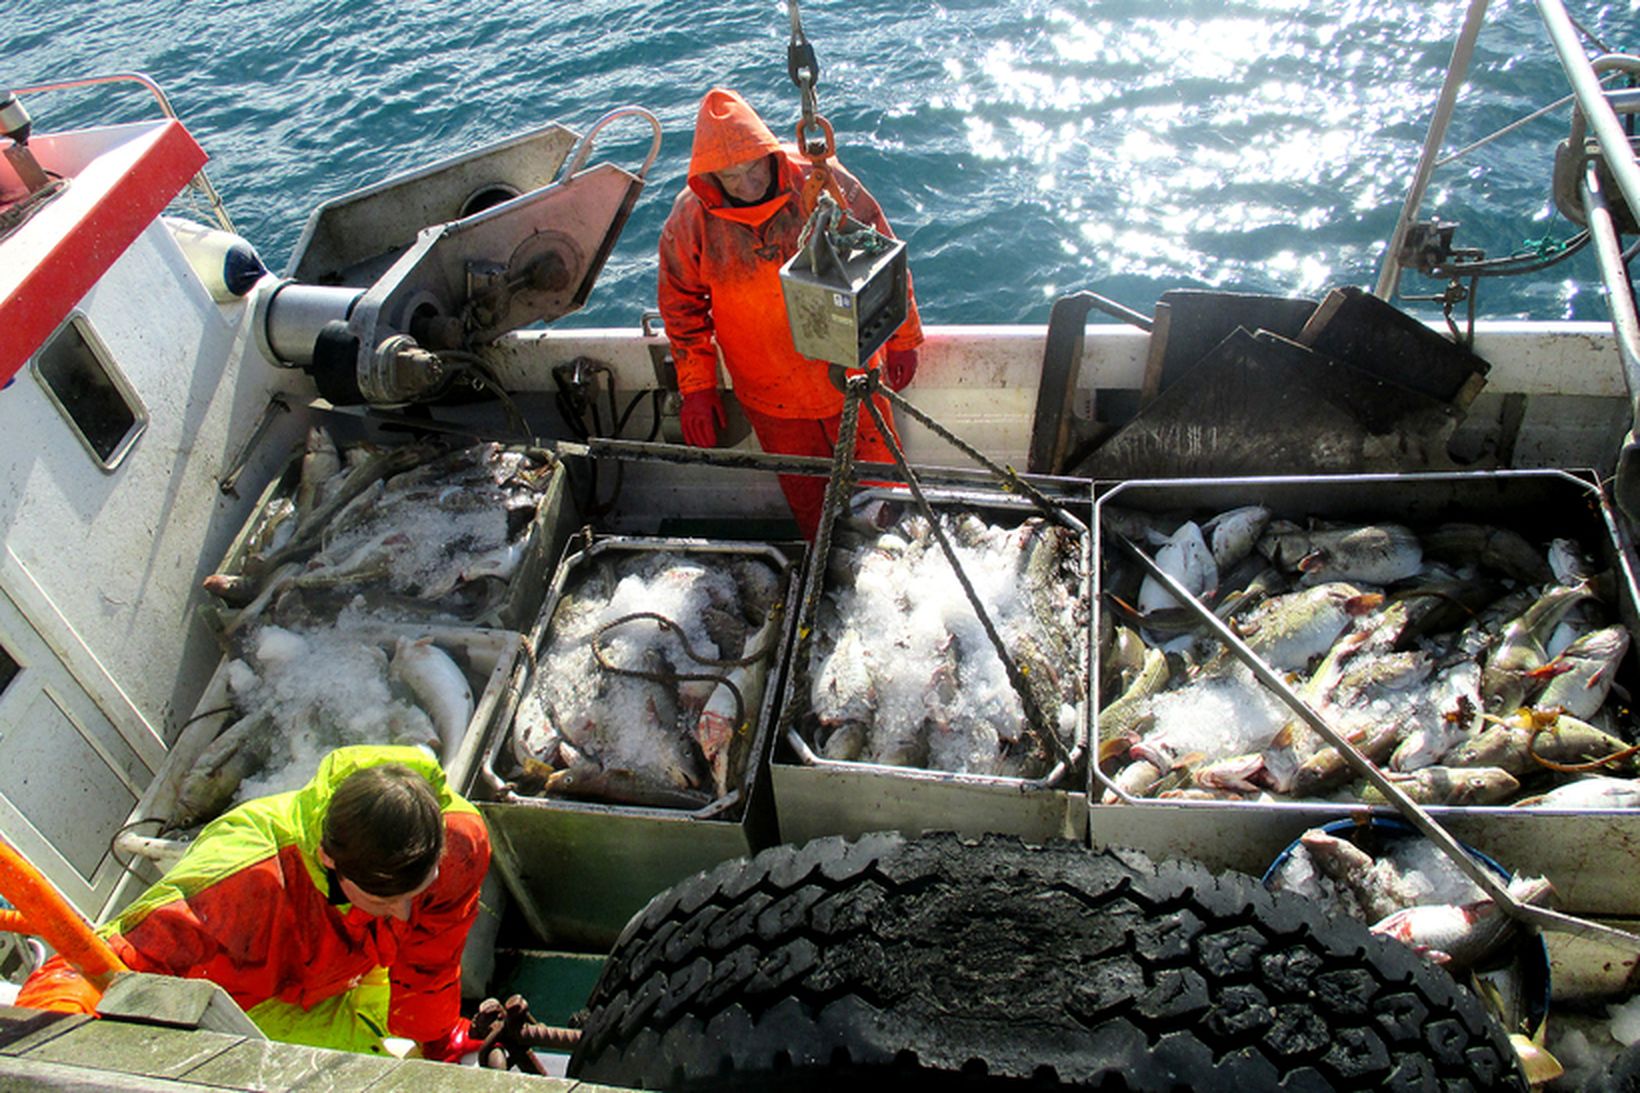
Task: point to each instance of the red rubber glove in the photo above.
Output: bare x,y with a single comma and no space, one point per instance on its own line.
702,416
450,1047
899,368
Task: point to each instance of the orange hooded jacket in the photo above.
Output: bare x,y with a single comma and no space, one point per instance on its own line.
720,270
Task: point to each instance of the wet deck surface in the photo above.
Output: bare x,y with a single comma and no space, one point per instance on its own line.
57,1051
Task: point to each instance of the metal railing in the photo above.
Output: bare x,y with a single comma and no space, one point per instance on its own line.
1599,137
200,182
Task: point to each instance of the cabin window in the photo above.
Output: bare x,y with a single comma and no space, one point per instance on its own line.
78,373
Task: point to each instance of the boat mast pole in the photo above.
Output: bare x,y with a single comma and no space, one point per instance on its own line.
1389,275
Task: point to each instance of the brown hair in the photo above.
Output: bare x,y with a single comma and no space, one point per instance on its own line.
384,829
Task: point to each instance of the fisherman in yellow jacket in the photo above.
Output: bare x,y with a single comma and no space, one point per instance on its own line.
334,915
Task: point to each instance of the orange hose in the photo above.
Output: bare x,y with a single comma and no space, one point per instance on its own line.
49,914
14,922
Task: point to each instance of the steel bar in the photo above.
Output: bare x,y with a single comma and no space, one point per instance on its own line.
1591,100
1462,52
201,181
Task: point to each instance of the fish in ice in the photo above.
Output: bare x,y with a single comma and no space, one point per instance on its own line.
652,674
1502,550
901,671
1589,792
1376,554
211,783
1461,936
440,687
1372,888
589,781
1449,785
724,727
1532,742
1507,676
320,463
1186,557
1291,630
1233,534
1581,677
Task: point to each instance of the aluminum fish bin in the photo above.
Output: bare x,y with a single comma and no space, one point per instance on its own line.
578,869
1587,854
492,660
817,796
554,521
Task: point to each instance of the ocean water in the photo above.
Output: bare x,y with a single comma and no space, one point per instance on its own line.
1024,148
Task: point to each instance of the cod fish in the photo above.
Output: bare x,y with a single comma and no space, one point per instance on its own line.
1374,554
1460,936
1234,533
722,738
1507,676
1185,557
1291,630
241,751
1499,549
1581,677
1528,742
1447,785
440,688
1592,792
1374,888
589,781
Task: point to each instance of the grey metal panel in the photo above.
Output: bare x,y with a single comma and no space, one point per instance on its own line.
352,239
850,800
579,873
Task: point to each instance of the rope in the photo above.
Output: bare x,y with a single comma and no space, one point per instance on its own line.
1007,476
689,650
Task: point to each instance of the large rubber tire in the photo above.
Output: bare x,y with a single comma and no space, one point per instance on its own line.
938,963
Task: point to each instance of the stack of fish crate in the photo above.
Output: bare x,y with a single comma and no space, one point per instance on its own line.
349,613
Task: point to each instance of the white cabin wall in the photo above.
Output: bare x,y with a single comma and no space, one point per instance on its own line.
101,569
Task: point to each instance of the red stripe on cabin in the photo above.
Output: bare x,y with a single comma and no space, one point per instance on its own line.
98,236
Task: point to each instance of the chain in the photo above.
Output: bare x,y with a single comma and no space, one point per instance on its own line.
860,389
803,68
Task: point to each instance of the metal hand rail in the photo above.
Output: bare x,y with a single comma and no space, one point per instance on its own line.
1462,52
200,181
1599,111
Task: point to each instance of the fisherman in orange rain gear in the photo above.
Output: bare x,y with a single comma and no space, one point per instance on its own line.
334,915
733,226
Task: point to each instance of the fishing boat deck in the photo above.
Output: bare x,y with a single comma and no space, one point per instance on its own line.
62,1051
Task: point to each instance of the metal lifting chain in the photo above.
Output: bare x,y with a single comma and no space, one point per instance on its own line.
804,70
803,67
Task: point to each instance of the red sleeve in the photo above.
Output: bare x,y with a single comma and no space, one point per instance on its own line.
685,299
223,932
426,974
